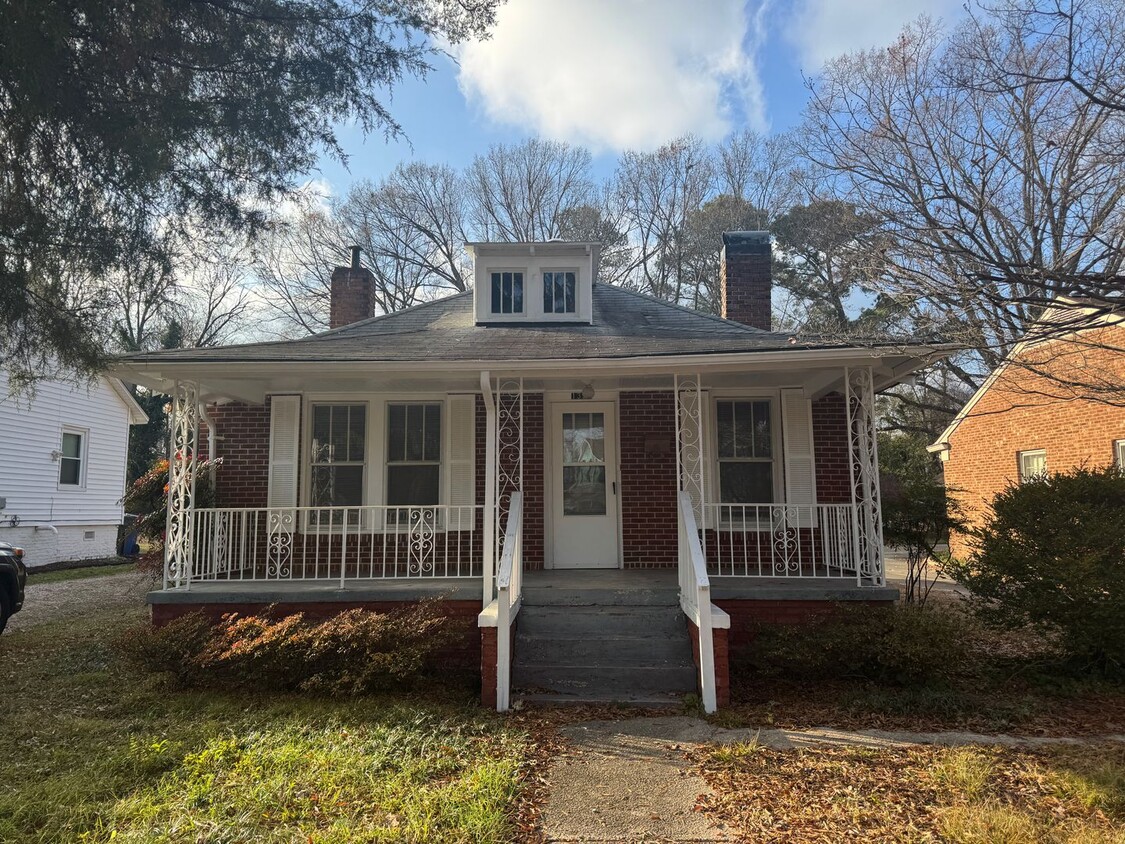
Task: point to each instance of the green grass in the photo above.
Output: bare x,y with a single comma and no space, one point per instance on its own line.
35,578
94,751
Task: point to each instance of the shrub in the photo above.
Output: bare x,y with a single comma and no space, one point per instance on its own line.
901,644
1052,556
148,495
355,652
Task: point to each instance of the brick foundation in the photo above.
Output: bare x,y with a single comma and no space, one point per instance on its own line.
748,615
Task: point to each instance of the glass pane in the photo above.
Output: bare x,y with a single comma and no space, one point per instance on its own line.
506,293
322,425
517,293
763,441
431,448
548,293
1033,464
496,296
72,445
396,432
584,490
745,483
337,486
412,485
357,432
583,438
70,471
338,433
725,414
570,284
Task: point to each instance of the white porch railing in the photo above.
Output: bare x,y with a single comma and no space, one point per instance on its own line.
333,543
695,597
509,595
786,540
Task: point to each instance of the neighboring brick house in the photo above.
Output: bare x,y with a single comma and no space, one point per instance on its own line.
1054,404
542,448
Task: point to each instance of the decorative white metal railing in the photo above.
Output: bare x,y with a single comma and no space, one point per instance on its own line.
786,540
509,595
334,543
695,597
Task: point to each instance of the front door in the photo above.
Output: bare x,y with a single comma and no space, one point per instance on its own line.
584,485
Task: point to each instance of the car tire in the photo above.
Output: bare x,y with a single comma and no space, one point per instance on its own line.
5,608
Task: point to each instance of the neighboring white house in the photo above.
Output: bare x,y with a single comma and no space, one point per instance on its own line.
62,467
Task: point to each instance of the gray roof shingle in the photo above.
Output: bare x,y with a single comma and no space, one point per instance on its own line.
625,324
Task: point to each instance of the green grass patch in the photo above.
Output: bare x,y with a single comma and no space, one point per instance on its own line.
95,751
35,578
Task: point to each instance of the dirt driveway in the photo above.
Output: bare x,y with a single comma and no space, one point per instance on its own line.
46,602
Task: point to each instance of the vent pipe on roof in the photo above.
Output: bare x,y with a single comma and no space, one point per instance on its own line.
356,251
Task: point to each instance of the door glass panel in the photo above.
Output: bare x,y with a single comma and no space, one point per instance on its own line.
584,478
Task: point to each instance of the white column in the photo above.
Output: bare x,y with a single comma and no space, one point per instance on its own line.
184,434
863,466
488,564
691,444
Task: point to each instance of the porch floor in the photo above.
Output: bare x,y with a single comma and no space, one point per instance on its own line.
319,591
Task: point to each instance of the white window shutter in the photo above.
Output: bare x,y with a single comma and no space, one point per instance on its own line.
285,429
800,463
460,451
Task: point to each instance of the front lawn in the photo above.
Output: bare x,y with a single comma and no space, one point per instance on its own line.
94,751
1062,794
61,575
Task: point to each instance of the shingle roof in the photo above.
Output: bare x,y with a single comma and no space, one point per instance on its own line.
625,324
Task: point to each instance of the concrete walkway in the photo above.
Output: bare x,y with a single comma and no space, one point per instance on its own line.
629,780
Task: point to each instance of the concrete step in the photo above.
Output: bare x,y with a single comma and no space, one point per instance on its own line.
602,650
595,621
605,683
666,701
578,595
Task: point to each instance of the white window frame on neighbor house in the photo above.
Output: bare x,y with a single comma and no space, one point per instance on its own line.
83,435
1021,456
1119,454
776,457
513,314
553,314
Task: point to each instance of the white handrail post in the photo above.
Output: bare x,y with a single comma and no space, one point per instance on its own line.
489,516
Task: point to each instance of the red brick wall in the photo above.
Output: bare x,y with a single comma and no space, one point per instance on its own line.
244,446
721,650
745,281
351,297
648,478
830,444
747,616
1025,409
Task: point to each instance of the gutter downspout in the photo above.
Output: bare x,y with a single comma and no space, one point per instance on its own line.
212,434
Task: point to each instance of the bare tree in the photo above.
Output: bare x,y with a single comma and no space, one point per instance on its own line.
997,202
759,169
520,192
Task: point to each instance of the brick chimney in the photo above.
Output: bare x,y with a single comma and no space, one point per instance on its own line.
745,278
353,293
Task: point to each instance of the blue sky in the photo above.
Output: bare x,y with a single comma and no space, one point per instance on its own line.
620,74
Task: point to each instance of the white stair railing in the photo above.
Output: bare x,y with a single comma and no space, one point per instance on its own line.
509,594
695,597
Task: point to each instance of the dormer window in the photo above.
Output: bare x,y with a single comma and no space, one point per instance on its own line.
507,292
559,292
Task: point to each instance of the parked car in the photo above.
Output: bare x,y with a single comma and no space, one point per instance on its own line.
13,579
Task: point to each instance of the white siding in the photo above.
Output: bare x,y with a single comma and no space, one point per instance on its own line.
72,542
29,477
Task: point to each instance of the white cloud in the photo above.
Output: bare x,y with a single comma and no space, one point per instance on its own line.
617,74
823,29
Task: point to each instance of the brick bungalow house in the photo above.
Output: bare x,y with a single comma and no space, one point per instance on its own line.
1052,405
605,490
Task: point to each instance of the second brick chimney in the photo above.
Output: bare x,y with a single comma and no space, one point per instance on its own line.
352,297
745,278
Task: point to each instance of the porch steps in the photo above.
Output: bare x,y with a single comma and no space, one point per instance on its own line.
636,652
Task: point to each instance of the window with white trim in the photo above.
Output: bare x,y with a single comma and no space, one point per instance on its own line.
745,451
507,292
338,459
560,292
1033,464
72,455
413,454
1119,454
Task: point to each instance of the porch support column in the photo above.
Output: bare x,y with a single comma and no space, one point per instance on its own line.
183,437
690,443
863,468
508,475
488,564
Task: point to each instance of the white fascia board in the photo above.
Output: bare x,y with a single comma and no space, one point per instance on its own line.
137,415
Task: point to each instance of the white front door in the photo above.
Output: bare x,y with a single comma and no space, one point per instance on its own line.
583,448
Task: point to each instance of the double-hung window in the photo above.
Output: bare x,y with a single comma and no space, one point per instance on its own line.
1033,464
1119,454
71,456
559,292
413,454
507,292
745,451
339,440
